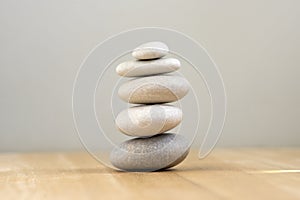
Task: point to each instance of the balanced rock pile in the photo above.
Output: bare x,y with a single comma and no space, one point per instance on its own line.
152,86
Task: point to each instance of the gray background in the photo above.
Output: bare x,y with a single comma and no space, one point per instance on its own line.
256,45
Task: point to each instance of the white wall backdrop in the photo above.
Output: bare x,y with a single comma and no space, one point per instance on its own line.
256,45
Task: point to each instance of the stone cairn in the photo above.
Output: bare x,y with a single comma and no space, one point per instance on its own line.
152,86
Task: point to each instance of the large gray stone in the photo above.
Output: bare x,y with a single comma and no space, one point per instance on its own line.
154,89
150,50
148,120
150,154
149,67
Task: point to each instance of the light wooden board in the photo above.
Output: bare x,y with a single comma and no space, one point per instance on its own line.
225,174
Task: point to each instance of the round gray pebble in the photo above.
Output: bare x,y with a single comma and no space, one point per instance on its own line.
150,154
148,120
154,89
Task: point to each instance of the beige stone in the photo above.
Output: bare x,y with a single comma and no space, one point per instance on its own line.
149,67
150,50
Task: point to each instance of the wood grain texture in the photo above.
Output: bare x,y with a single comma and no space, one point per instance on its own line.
225,174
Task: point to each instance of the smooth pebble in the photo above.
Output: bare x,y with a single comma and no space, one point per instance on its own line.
145,68
154,89
150,50
148,120
150,154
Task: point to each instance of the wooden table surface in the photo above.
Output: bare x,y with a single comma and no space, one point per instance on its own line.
225,174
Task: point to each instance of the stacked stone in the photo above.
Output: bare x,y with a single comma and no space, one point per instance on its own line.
152,86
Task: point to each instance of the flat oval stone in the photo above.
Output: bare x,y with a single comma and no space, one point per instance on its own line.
149,67
150,154
150,50
154,89
148,120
